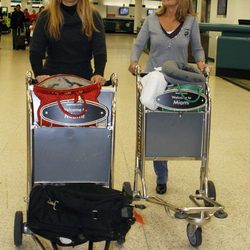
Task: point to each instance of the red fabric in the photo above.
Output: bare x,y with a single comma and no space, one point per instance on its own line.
33,16
48,95
138,218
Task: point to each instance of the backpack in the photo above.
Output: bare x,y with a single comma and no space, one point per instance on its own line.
72,214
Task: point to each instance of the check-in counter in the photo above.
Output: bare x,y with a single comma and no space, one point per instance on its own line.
119,25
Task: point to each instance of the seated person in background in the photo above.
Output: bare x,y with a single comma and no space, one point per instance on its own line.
70,32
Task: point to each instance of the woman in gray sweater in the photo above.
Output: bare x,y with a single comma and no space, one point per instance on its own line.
169,31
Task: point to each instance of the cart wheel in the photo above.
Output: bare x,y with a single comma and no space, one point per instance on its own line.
194,234
18,229
220,214
127,191
211,193
179,214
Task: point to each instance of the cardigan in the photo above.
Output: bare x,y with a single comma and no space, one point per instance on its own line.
164,48
72,53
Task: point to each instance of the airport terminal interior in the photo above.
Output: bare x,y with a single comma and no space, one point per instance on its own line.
229,158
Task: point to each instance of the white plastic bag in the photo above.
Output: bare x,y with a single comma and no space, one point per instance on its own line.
153,84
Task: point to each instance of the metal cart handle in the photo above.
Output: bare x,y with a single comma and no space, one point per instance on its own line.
111,82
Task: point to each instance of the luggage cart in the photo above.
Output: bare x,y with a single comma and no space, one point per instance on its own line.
177,130
49,159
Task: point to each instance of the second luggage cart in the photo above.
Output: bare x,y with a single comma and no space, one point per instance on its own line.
178,129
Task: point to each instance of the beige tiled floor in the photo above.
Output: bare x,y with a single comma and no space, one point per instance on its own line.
229,158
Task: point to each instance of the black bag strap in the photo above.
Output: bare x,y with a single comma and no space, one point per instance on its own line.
107,244
54,245
90,245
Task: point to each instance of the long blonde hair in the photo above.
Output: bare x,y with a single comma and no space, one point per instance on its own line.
185,8
55,22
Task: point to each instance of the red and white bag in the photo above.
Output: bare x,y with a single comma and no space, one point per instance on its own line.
62,92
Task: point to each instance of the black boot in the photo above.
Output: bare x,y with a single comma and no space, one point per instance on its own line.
161,188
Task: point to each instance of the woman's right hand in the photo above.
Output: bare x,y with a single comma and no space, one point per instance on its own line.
42,78
132,67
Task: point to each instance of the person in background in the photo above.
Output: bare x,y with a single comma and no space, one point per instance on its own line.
26,25
1,23
40,10
17,23
31,28
26,15
170,30
71,32
33,15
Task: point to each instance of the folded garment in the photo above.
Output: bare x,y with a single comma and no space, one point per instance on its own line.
153,84
182,73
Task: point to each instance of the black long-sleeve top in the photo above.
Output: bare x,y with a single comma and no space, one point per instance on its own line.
72,53
17,19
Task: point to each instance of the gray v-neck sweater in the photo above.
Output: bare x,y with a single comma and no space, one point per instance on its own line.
163,48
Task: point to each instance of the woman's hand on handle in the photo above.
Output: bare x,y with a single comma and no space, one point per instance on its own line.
98,79
132,67
203,67
42,78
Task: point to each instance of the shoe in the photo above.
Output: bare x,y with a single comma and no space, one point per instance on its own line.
161,188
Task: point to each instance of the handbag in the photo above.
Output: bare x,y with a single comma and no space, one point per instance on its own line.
67,94
73,214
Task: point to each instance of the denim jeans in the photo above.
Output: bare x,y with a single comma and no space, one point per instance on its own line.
161,170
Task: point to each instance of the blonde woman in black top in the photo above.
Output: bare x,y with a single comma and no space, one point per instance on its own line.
70,33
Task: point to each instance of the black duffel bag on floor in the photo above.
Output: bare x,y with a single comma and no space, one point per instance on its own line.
73,214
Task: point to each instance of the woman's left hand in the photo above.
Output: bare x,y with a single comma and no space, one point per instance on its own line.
98,79
202,66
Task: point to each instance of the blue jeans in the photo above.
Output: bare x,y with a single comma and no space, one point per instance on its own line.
161,170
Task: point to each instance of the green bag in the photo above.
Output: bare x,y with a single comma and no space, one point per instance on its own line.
195,88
